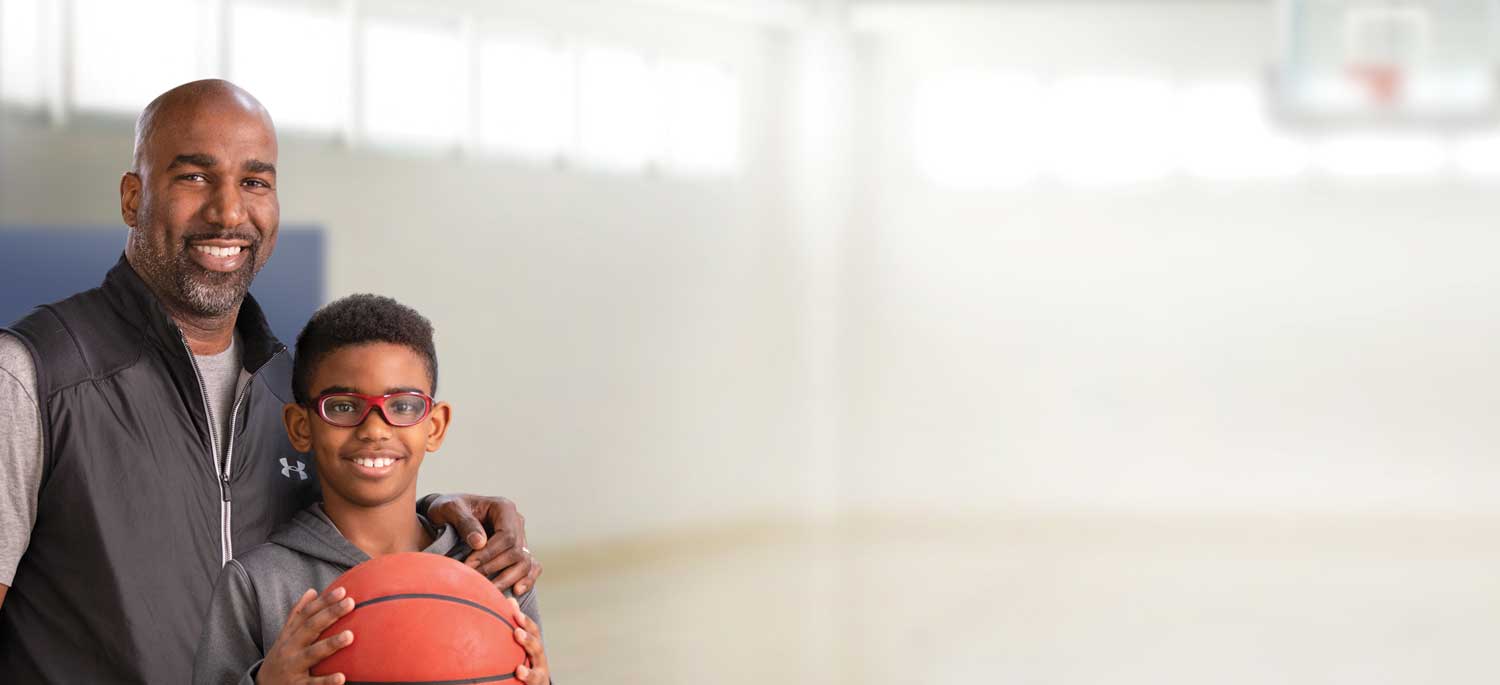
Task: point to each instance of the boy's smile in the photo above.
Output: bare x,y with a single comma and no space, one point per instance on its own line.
372,463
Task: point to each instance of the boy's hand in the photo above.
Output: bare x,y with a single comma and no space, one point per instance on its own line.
297,648
529,636
504,550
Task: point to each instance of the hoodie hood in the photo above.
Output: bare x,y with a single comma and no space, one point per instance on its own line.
312,534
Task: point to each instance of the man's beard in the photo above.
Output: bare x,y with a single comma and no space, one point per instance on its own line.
202,292
212,293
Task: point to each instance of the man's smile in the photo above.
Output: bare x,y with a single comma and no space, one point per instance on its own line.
220,254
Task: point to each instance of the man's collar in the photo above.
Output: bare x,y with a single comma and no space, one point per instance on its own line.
131,294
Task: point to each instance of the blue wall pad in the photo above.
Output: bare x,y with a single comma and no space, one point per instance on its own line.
40,264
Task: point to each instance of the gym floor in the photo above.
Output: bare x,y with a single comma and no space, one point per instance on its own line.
1037,600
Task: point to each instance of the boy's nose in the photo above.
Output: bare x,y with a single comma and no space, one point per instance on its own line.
374,426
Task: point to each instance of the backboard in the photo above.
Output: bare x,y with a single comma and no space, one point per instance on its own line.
1422,63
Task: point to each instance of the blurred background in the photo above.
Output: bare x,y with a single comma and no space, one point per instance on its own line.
859,341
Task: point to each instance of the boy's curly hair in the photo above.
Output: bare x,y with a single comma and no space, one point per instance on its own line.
355,320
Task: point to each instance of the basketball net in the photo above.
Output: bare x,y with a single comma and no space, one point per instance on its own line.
1381,83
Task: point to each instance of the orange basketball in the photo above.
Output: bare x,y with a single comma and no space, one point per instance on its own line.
423,618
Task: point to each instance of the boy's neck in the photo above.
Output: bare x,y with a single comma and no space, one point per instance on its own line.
377,531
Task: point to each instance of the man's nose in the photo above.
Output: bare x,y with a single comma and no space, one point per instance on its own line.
226,208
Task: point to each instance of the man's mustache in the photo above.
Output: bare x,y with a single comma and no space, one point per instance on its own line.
245,236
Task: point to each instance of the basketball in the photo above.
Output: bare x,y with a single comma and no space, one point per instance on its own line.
423,618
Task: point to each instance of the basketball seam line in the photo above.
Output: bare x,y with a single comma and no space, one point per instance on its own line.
445,598
465,681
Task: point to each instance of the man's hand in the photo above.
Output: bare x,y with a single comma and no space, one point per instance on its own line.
297,648
503,550
529,637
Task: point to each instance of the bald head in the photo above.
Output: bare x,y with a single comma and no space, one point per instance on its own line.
184,101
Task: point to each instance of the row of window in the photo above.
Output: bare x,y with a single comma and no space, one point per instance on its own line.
995,130
322,71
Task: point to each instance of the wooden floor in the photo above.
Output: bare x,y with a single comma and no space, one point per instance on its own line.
1037,600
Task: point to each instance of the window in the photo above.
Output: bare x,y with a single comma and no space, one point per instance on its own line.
702,118
1111,130
525,98
618,108
1227,134
1381,154
295,60
414,81
1478,155
126,53
21,61
978,130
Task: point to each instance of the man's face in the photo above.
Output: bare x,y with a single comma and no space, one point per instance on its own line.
202,206
374,463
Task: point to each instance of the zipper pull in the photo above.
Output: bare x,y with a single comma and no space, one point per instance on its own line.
224,486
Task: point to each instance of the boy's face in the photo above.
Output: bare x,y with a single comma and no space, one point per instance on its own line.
351,460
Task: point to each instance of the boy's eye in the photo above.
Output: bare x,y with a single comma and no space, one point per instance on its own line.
407,406
341,407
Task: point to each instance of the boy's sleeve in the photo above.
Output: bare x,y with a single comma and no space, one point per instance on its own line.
229,651
531,607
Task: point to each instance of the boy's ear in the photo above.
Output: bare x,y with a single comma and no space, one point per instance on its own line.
437,425
298,426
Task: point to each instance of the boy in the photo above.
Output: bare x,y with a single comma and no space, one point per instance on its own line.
363,379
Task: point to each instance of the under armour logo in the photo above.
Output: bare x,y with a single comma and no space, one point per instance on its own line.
287,469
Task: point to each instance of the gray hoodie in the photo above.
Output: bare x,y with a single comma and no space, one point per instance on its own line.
256,591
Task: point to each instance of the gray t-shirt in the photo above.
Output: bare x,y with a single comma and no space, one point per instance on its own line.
21,436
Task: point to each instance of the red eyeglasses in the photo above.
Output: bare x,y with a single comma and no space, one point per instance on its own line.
349,409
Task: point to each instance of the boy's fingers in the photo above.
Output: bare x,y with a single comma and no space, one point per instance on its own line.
323,601
331,679
323,649
302,601
320,621
528,641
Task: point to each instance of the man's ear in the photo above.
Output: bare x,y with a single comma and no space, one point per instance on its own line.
437,425
130,197
298,426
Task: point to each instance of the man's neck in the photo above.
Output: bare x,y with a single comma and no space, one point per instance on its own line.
386,529
206,336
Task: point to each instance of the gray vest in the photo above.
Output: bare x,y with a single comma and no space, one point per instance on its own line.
136,514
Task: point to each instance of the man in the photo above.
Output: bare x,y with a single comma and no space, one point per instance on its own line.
140,422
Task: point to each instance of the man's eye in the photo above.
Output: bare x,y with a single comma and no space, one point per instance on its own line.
193,177
256,183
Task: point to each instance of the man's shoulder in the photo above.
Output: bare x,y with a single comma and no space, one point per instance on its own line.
15,360
76,338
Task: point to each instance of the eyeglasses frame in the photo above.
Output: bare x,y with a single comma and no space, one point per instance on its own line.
373,402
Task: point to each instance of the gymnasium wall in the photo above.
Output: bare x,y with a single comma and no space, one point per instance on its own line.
1309,343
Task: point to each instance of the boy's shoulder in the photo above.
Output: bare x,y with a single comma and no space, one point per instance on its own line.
266,557
306,551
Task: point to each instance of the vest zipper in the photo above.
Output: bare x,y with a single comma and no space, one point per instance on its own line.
213,445
226,505
234,413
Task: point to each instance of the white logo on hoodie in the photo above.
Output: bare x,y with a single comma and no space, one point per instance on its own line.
287,469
